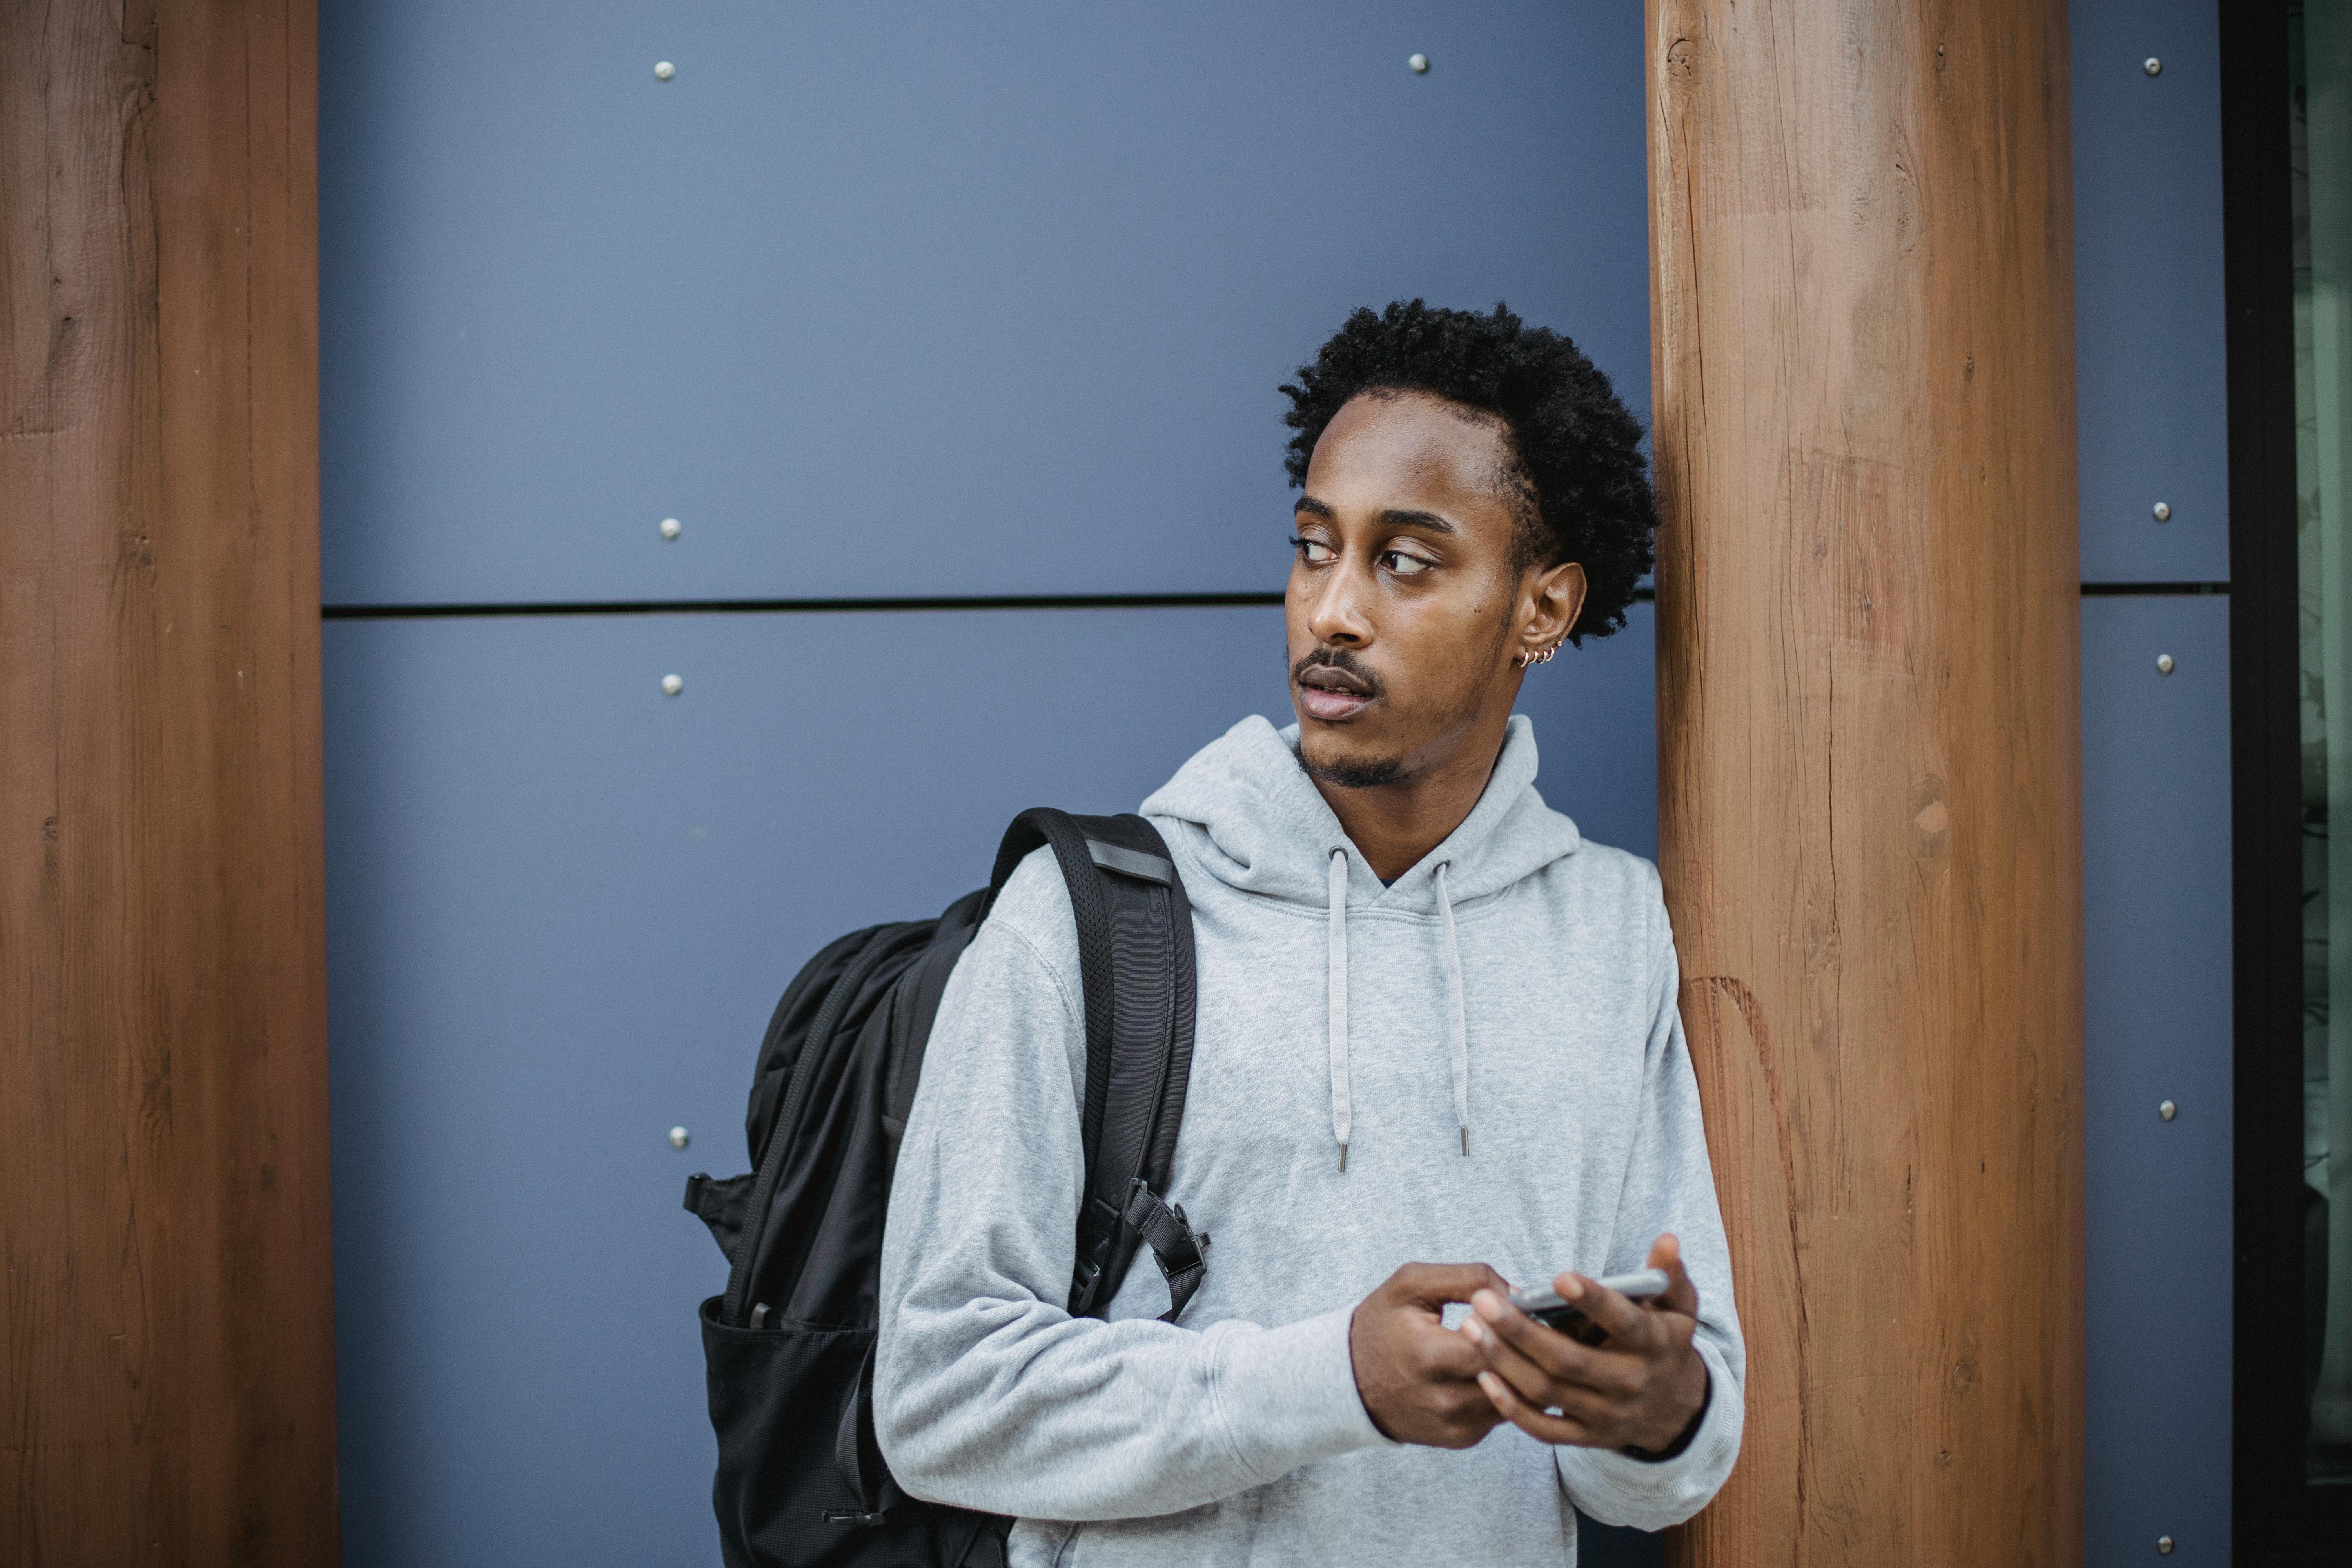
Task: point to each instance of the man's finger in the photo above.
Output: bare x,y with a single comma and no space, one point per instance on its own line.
1538,1388
1554,1352
1435,1284
1552,1429
1622,1322
1444,1355
1682,1296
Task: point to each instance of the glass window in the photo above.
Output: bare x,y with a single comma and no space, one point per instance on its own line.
2320,45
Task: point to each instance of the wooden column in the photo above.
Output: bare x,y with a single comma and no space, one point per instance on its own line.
167,1325
1868,691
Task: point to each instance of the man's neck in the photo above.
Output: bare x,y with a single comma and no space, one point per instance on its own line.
1396,824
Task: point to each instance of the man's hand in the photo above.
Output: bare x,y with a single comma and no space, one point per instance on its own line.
1639,1390
1418,1381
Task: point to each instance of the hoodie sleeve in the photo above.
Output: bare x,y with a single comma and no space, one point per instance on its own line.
1670,1186
988,1395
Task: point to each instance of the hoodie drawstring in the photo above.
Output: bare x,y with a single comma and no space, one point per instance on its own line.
1340,1116
1461,1014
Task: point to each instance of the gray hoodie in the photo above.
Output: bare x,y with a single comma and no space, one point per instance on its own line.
1512,995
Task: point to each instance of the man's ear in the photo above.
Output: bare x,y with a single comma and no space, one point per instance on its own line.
1554,597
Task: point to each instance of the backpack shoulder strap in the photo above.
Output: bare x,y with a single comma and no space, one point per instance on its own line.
1135,968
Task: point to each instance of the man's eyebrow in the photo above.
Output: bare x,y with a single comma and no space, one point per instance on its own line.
1428,520
1394,517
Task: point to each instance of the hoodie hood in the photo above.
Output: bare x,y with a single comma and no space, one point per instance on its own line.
1258,824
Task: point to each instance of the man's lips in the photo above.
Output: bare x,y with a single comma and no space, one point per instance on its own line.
1328,693
1321,702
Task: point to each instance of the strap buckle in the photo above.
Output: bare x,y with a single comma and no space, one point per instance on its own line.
1086,1278
1083,1280
1175,1245
1160,1224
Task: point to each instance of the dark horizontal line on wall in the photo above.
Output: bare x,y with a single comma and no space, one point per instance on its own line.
978,602
778,606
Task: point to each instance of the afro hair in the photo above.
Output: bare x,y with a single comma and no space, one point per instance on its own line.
1578,447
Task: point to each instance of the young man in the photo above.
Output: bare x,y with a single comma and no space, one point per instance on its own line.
1433,1023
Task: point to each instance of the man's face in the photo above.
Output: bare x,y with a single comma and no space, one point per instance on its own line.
1403,598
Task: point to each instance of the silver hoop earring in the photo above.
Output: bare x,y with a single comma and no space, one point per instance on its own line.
1545,657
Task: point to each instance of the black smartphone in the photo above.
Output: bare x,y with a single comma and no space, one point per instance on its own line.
1542,1304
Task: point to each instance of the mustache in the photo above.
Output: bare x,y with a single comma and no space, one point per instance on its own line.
1339,658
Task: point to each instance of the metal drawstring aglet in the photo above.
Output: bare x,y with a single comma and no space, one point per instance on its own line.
1343,1159
1465,1142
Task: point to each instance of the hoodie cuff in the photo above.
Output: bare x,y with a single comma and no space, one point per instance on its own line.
1652,1494
1287,1396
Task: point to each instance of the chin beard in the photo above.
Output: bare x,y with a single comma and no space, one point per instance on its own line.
1377,772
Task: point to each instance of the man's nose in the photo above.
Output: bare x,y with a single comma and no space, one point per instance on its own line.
1336,616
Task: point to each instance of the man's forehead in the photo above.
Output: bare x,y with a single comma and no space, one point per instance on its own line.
1394,448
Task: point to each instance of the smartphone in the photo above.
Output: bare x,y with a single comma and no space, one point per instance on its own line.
1542,1304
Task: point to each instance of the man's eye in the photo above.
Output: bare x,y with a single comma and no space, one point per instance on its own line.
1314,551
1404,564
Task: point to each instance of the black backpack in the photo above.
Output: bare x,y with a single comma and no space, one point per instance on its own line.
789,1347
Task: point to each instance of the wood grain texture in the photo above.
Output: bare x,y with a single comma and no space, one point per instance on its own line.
166,1331
1870,779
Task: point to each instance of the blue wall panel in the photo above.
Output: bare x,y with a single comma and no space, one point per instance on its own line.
898,300
560,908
2155,808
2149,314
